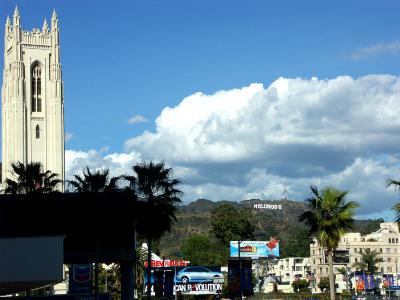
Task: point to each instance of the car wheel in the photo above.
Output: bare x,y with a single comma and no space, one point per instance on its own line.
184,280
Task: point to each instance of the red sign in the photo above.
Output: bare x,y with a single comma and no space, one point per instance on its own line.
167,263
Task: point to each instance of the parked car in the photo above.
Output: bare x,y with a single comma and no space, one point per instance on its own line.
197,274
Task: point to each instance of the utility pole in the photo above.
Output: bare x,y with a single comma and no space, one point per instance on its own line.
240,271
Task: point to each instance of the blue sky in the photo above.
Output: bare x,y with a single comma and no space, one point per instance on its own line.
130,60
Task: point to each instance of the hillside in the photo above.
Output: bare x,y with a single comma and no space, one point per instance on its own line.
195,218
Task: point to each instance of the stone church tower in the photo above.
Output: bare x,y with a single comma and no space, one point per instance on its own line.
32,97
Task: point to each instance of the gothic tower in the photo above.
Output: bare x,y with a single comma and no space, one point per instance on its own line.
32,97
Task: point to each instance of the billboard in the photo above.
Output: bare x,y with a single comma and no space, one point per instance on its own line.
255,249
341,257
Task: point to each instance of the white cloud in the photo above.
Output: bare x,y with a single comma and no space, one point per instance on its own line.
245,143
380,48
68,136
117,163
137,119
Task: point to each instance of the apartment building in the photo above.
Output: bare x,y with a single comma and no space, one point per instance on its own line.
384,241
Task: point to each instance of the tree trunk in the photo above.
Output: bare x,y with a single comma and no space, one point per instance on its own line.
331,275
134,260
96,270
149,246
127,287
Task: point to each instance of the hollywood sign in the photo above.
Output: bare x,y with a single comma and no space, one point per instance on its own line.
267,206
198,287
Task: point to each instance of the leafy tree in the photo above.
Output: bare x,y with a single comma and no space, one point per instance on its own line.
30,179
229,224
155,184
324,283
369,260
297,244
201,251
328,217
94,181
301,285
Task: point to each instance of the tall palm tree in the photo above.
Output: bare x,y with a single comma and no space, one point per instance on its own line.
97,181
328,217
94,181
369,260
154,183
396,207
31,179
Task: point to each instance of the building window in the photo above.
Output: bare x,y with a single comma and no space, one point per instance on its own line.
389,259
397,240
36,89
390,240
356,259
37,132
387,250
355,250
380,250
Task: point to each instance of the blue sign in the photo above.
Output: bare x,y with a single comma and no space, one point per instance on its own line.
255,249
80,279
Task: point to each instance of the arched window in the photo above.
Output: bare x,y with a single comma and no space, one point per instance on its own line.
37,132
36,89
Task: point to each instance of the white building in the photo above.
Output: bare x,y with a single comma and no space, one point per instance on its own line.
384,241
287,270
32,97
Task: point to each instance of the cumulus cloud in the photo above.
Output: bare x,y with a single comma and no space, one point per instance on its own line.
245,143
137,119
377,49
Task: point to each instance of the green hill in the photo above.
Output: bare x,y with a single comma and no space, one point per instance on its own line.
195,218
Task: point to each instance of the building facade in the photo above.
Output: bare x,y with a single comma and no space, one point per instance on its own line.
285,270
384,241
32,97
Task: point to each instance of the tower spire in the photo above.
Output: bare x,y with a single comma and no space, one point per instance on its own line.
45,27
16,17
54,15
54,21
8,22
16,11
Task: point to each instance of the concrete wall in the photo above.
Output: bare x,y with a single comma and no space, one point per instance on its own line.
30,262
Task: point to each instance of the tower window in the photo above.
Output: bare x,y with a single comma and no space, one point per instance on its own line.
36,89
37,132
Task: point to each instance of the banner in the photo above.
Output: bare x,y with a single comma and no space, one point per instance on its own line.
364,281
388,280
233,278
255,249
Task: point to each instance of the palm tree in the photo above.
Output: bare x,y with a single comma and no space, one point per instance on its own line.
94,181
369,260
30,179
396,207
154,183
328,217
